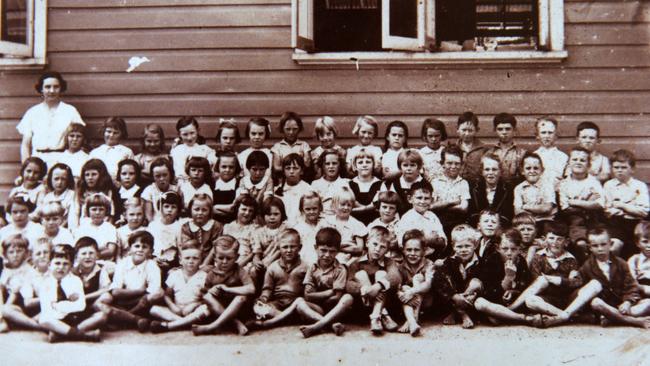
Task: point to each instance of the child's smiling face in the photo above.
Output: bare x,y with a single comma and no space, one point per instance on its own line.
421,200
245,214
366,134
555,243
87,257
579,163
31,175
643,244
327,139
451,166
491,171
532,169
413,251
344,209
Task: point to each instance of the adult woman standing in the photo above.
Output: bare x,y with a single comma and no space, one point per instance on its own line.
44,125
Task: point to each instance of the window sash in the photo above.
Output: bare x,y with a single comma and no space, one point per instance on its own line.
425,28
16,49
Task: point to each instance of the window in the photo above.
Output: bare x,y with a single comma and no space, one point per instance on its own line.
22,33
427,31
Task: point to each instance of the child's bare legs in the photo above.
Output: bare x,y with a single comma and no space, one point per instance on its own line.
412,326
94,322
226,315
585,295
535,288
145,302
501,312
343,305
14,314
642,308
612,313
60,328
278,316
175,321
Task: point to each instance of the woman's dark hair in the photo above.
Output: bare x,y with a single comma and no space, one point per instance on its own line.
50,75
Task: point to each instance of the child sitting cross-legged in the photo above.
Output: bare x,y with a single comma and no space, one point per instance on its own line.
228,288
609,287
640,263
457,281
372,278
94,276
283,286
136,284
555,274
63,302
15,274
416,273
183,294
325,285
504,275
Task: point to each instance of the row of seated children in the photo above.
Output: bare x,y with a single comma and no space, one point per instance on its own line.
485,277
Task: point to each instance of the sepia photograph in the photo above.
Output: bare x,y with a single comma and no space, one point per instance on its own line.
325,182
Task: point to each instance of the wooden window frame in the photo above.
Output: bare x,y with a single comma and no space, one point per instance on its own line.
416,51
14,56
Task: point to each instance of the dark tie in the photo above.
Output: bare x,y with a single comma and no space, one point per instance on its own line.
60,294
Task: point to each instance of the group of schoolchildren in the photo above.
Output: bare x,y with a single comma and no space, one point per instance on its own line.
218,239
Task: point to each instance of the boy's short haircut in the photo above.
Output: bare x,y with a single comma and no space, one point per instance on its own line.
290,116
308,196
293,158
582,150
247,200
503,118
598,230
488,212
16,240
190,244
162,162
290,233
421,185
97,200
389,197
85,241
451,150
344,194
68,174
257,158
468,116
325,124
414,234
263,122
410,155
490,156
587,125
558,228
642,231
62,251
528,155
437,125
19,199
134,202
226,243
204,197
465,232
50,209
623,156
171,198
329,237
274,201
513,236
523,218
118,124
380,234
144,236
545,119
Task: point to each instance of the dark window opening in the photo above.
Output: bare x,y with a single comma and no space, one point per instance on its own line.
347,25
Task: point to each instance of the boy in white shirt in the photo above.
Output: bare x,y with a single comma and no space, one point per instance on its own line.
553,159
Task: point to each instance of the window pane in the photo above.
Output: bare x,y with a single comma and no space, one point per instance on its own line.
14,21
404,18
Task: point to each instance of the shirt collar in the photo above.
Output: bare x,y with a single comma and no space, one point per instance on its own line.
289,268
206,227
90,274
554,261
327,270
404,183
230,185
381,262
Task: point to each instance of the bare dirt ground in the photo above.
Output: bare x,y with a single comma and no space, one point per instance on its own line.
439,345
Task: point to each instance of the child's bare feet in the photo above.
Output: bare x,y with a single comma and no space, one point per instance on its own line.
535,320
388,323
307,331
404,328
604,322
646,322
338,329
4,327
242,330
467,322
375,326
449,319
198,330
415,330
